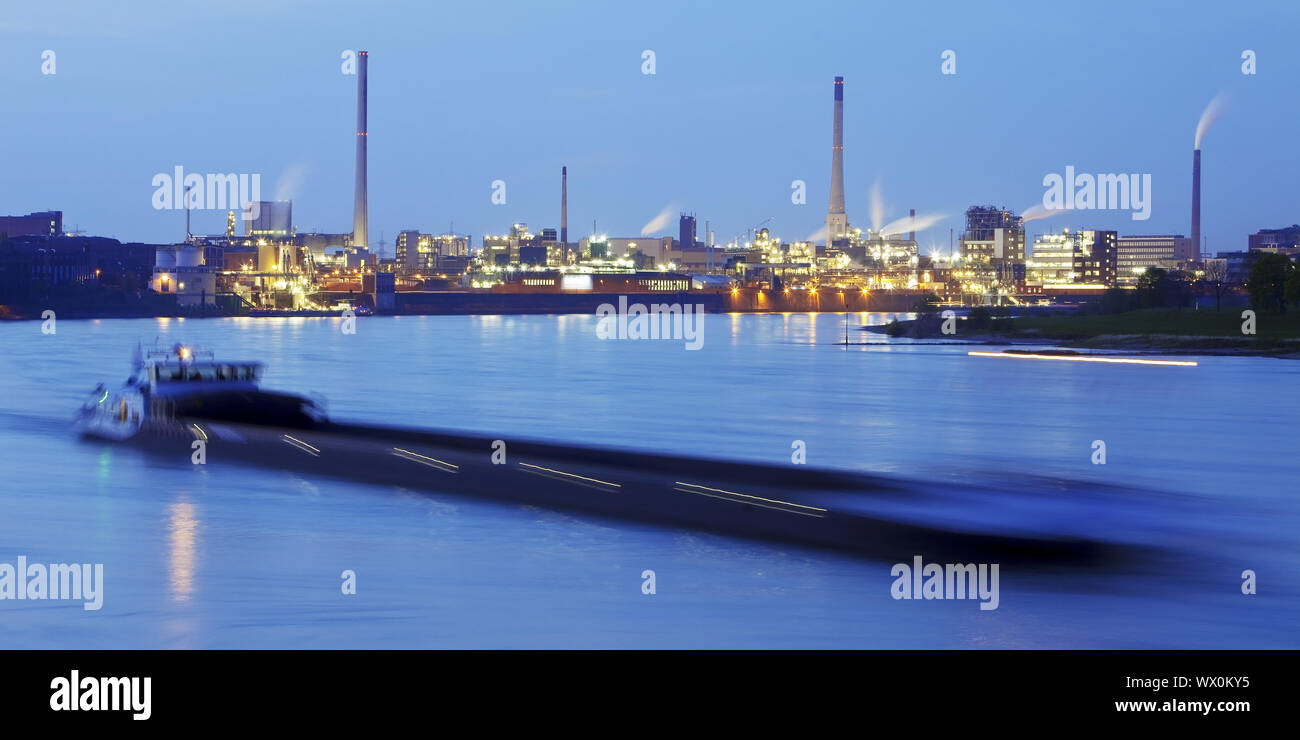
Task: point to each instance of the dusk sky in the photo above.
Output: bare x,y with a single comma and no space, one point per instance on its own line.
462,94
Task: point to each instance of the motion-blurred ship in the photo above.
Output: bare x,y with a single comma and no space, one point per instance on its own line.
167,387
182,400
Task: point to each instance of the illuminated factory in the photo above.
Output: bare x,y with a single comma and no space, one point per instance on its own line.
272,266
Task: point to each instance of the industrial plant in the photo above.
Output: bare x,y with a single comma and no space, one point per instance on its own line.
271,268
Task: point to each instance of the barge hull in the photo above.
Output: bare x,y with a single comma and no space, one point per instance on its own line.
803,506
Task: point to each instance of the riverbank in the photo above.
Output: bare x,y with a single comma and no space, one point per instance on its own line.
1160,331
489,302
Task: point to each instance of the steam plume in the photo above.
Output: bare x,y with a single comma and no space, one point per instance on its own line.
911,223
658,223
1209,116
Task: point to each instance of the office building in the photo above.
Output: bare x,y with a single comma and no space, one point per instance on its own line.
1138,253
1072,259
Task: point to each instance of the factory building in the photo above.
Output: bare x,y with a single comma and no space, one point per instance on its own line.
645,252
686,231
317,243
42,223
1135,254
1096,259
993,246
271,220
427,253
1285,241
1076,259
180,270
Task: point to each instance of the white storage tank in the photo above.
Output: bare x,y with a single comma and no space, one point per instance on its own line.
189,256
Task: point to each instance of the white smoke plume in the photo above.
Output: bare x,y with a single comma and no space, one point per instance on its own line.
877,207
291,180
660,222
1209,116
1037,211
909,223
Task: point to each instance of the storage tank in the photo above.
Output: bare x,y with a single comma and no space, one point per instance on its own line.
268,258
189,256
165,257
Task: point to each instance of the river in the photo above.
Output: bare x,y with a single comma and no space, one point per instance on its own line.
199,556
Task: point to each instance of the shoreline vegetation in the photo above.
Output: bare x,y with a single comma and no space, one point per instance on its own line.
1153,331
1158,316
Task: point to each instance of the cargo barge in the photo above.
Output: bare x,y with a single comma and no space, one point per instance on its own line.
182,401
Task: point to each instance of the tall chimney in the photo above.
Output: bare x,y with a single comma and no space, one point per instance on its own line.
708,247
911,215
359,224
1196,204
837,223
564,210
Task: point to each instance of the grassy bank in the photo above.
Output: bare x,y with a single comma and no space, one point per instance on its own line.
1156,322
1155,330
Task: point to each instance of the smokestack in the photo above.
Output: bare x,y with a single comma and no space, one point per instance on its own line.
708,247
564,209
837,223
1196,204
359,224
911,215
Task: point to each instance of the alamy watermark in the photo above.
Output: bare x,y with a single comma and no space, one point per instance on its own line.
57,581
922,580
177,190
648,582
102,694
1101,192
681,321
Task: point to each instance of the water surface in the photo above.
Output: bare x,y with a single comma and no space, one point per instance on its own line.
228,556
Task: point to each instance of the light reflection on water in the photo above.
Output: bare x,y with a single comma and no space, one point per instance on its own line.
440,571
182,533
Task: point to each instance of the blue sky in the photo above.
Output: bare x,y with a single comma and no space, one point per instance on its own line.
462,94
